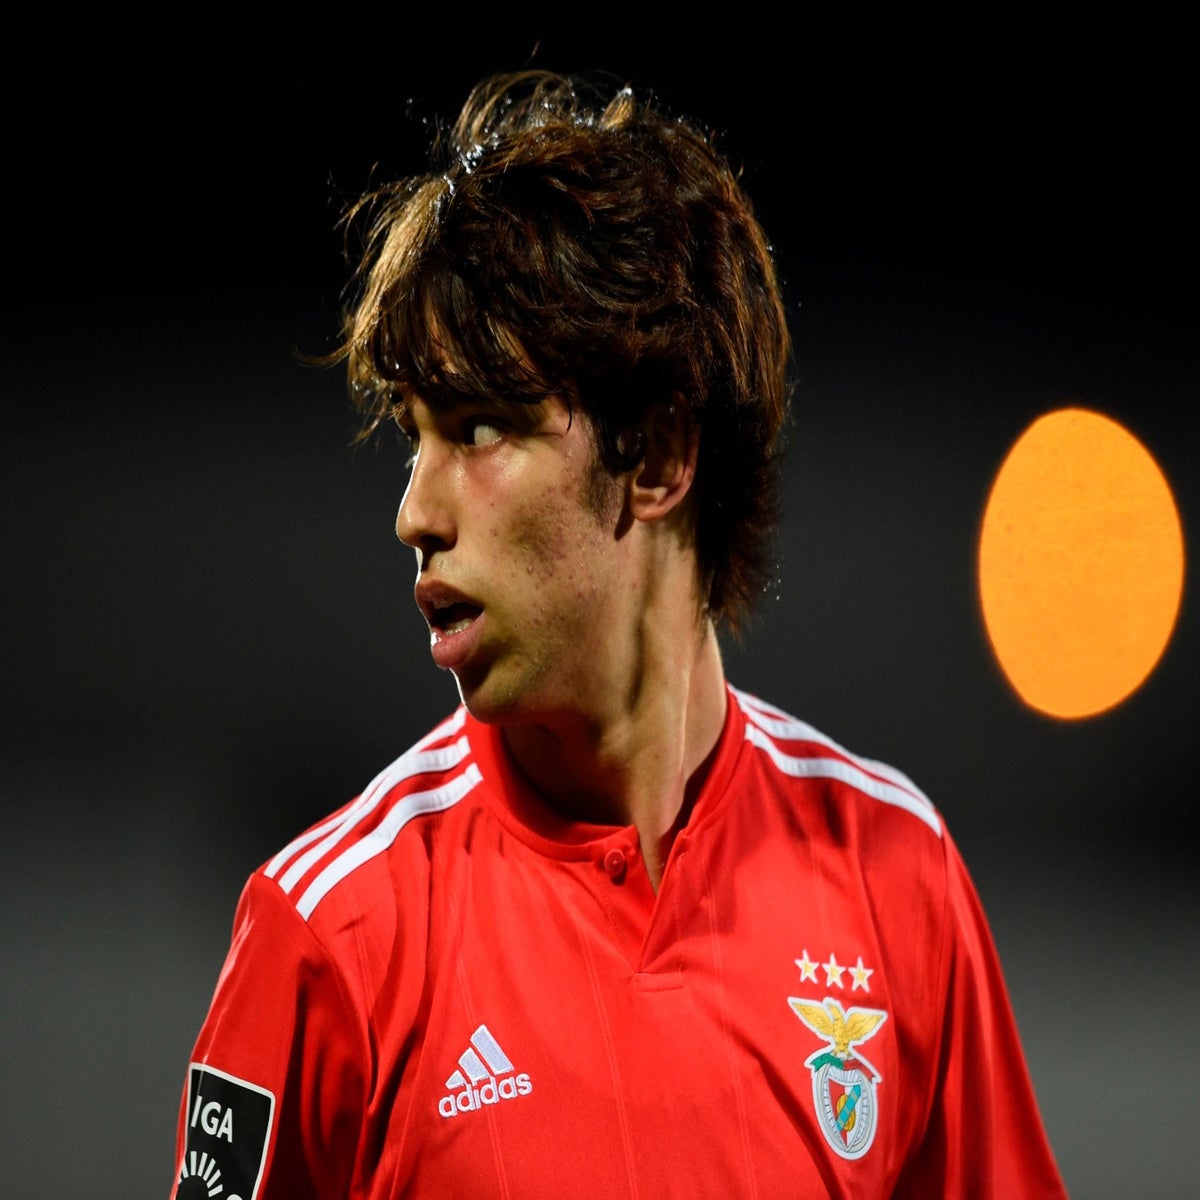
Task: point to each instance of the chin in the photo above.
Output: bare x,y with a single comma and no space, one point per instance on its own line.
490,702
510,698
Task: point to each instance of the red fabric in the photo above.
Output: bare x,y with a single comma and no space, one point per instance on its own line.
648,1045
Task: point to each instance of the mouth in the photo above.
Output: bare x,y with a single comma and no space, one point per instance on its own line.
446,619
453,619
454,625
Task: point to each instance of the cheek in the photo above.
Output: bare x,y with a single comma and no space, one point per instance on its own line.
547,539
542,549
562,553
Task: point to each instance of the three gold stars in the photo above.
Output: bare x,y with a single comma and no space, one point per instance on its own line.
834,970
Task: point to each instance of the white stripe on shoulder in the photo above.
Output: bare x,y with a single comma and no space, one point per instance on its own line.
384,834
876,779
329,833
783,725
448,728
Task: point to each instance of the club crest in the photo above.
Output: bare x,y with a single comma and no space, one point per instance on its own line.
843,1081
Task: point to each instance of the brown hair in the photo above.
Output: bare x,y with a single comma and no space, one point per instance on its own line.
600,250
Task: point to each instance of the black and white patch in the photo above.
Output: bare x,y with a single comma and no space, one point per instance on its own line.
228,1125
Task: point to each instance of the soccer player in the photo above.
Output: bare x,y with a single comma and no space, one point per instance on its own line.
614,928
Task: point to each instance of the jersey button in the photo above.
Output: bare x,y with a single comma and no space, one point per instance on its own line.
613,864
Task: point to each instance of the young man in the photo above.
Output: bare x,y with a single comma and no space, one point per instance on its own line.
614,928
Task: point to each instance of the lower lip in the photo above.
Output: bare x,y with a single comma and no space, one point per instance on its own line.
452,650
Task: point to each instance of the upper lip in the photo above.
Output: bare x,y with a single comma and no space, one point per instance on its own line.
432,595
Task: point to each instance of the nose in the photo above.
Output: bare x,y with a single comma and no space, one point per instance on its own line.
425,520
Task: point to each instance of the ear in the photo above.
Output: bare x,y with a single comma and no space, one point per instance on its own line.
664,477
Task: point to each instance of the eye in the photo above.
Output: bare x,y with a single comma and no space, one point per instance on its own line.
480,432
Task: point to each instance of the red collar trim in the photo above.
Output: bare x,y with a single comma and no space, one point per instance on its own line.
525,813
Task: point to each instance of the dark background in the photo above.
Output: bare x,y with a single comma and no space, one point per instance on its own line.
209,638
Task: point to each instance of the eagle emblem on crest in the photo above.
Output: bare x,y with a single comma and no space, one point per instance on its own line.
843,1081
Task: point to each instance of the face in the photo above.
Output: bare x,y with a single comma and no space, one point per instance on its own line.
522,576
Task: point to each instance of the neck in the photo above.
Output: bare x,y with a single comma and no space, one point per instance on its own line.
642,761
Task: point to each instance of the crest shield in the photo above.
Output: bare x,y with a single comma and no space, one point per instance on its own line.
843,1083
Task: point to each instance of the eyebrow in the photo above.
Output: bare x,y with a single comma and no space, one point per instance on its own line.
448,401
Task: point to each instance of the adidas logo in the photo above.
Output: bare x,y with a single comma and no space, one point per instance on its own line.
480,1067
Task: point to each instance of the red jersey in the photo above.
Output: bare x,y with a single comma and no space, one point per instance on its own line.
447,989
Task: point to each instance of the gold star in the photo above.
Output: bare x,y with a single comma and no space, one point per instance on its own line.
833,973
861,974
808,968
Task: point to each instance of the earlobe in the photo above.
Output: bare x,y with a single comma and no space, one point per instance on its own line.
664,477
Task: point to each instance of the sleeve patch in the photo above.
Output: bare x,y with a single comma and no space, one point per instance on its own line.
228,1129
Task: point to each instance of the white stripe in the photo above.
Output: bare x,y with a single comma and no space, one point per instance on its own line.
384,834
490,1049
836,768
447,728
470,1062
405,767
312,835
451,725
783,725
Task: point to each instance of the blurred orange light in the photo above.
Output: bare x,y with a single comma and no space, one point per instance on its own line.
1080,564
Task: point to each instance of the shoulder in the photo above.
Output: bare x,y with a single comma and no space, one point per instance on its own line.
429,778
867,835
838,784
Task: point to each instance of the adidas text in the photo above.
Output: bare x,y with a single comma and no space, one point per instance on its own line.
490,1092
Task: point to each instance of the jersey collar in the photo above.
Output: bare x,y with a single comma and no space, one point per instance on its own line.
522,810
